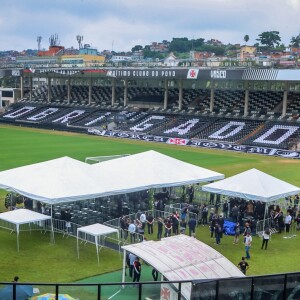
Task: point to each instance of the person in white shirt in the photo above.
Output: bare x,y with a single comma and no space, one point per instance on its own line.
266,238
132,258
248,244
143,220
132,230
287,222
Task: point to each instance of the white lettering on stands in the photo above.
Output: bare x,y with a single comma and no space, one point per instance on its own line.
184,127
94,121
218,74
146,124
43,114
71,115
141,73
238,126
289,130
19,112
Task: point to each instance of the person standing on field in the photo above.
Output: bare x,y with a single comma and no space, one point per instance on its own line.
137,269
266,238
248,244
243,265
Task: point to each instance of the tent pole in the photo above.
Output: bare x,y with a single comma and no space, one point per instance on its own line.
266,209
52,240
52,229
124,266
97,249
77,244
18,237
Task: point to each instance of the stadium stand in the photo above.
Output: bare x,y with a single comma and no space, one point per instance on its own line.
229,130
83,107
275,134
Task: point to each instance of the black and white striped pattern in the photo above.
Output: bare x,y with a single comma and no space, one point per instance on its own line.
260,74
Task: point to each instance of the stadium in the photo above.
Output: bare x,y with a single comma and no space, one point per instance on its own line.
250,110
241,111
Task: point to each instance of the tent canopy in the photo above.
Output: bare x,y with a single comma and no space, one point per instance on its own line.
65,179
253,185
62,178
24,216
182,257
96,230
152,169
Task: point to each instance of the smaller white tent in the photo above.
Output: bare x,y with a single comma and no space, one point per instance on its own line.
96,230
253,185
24,216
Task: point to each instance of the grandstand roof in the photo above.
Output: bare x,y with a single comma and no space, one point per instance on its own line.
181,257
253,185
65,179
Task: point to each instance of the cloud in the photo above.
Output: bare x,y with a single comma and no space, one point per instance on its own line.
122,24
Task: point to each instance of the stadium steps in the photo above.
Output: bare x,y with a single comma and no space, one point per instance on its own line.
252,133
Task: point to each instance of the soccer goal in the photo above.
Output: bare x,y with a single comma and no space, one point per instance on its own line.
97,159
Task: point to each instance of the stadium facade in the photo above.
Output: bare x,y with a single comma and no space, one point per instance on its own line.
242,109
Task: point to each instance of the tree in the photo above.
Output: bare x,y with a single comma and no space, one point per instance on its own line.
246,38
269,38
295,41
137,48
180,45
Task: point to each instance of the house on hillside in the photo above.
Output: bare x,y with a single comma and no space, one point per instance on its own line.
171,60
247,52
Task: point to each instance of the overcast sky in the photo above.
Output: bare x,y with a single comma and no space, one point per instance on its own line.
121,24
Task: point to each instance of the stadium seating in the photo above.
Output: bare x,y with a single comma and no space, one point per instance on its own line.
263,126
228,130
275,134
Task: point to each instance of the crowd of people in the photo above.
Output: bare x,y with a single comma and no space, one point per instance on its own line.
244,214
173,224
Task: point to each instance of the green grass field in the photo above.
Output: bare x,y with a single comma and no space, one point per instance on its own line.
38,261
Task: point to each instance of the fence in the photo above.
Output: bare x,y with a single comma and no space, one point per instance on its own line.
278,286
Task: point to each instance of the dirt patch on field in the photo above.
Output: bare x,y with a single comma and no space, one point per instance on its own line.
289,161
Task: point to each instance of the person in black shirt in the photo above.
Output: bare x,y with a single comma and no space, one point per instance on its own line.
154,274
124,227
68,217
160,225
150,221
243,265
175,223
192,226
137,269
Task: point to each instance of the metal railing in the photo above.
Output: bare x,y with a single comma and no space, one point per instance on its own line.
277,286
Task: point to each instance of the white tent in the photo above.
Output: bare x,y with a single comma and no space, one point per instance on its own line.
253,185
65,179
24,216
182,257
151,169
96,230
